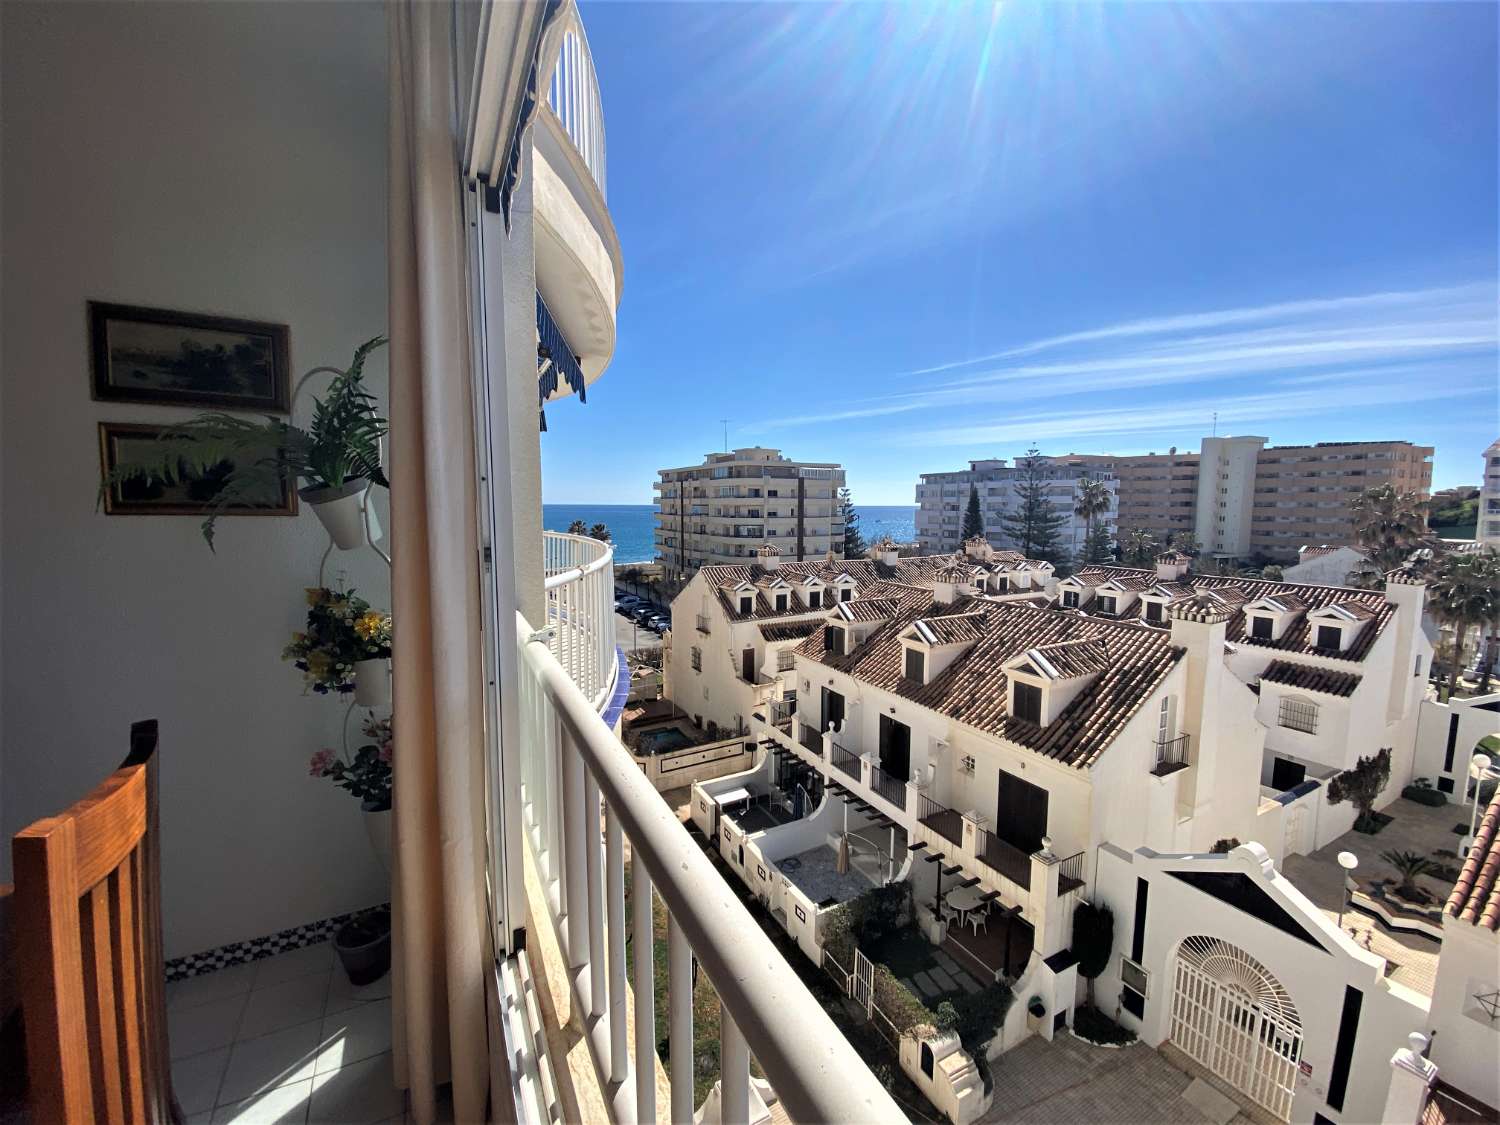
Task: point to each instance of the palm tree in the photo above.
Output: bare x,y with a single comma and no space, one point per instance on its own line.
578,527
1409,865
1091,501
1388,524
1140,546
1465,593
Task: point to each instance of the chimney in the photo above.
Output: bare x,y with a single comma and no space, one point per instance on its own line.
884,551
1198,627
946,584
977,547
1406,589
1172,565
768,555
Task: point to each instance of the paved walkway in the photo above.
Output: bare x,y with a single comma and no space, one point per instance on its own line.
1412,958
944,980
1069,1082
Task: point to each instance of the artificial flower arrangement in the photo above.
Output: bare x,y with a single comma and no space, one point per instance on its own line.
342,630
368,773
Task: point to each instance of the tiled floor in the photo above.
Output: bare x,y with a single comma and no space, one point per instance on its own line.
287,1039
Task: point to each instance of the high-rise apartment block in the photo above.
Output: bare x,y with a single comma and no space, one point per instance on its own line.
942,499
722,510
1243,499
1487,528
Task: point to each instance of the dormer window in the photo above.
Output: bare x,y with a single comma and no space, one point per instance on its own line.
834,640
1002,584
747,603
1260,627
1107,603
1070,599
846,594
1154,612
1026,702
916,665
1330,636
780,603
815,599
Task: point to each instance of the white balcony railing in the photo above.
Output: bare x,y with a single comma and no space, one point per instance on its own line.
573,94
569,761
580,581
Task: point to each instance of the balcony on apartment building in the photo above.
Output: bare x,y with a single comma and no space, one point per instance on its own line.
576,778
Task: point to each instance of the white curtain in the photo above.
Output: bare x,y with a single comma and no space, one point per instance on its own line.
442,944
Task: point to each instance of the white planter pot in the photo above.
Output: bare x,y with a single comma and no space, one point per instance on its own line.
372,682
343,512
378,827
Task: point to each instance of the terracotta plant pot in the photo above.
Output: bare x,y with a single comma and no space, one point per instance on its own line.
343,511
364,946
372,682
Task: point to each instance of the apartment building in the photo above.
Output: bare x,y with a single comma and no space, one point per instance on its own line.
942,499
1241,498
1487,529
722,510
1023,757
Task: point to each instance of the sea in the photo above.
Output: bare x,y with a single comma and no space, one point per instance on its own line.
630,525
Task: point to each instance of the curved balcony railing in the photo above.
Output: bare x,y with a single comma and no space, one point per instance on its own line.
573,94
580,582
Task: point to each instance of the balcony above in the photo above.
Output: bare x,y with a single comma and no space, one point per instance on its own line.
578,262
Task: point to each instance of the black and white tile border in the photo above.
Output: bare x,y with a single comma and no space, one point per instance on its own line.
240,952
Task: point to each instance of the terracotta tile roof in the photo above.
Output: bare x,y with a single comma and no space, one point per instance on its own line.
1307,554
953,629
1282,603
790,630
1307,677
1352,610
974,689
1132,582
869,609
1476,895
1067,660
1235,593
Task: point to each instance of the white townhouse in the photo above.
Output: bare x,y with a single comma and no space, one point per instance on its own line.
734,626
1334,674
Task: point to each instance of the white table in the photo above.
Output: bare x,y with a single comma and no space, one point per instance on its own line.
965,900
740,796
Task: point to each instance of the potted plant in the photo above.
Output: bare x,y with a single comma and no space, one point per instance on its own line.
337,457
346,647
366,774
1409,865
363,944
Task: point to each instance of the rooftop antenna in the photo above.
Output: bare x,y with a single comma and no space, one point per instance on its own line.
725,423
1216,423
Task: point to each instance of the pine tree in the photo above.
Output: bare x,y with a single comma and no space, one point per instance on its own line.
1034,525
973,518
1097,546
854,542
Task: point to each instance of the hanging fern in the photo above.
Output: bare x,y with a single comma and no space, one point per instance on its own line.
341,445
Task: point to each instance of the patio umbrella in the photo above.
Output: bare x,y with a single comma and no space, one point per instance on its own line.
841,864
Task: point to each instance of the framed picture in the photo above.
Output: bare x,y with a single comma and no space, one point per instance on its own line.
184,359
124,441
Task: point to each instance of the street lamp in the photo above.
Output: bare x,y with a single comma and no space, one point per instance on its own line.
1479,772
1348,861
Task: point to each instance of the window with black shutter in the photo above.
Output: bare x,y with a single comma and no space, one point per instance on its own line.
1260,627
833,640
1153,611
914,665
1330,636
845,594
746,604
814,599
1106,605
1026,701
780,603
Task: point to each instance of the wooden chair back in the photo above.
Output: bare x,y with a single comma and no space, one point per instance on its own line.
88,913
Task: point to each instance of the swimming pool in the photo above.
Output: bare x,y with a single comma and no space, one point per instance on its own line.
661,741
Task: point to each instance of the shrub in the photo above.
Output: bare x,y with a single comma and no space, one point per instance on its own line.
899,1003
1093,940
1225,844
1361,787
1096,1027
1424,794
946,1017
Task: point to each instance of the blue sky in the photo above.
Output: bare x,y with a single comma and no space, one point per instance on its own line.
902,237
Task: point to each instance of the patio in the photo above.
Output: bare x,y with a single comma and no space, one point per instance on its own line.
1418,828
1003,946
815,873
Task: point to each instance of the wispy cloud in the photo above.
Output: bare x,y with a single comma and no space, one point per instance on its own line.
1371,346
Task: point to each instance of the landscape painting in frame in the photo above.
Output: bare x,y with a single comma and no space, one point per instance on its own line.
161,356
120,442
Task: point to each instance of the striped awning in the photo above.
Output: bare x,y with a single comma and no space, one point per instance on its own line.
553,358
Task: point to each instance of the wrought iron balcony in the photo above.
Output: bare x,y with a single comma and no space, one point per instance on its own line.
1171,755
847,761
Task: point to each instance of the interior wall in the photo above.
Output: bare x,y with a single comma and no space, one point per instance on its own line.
227,158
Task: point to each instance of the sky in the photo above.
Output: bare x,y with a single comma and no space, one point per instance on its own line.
902,237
